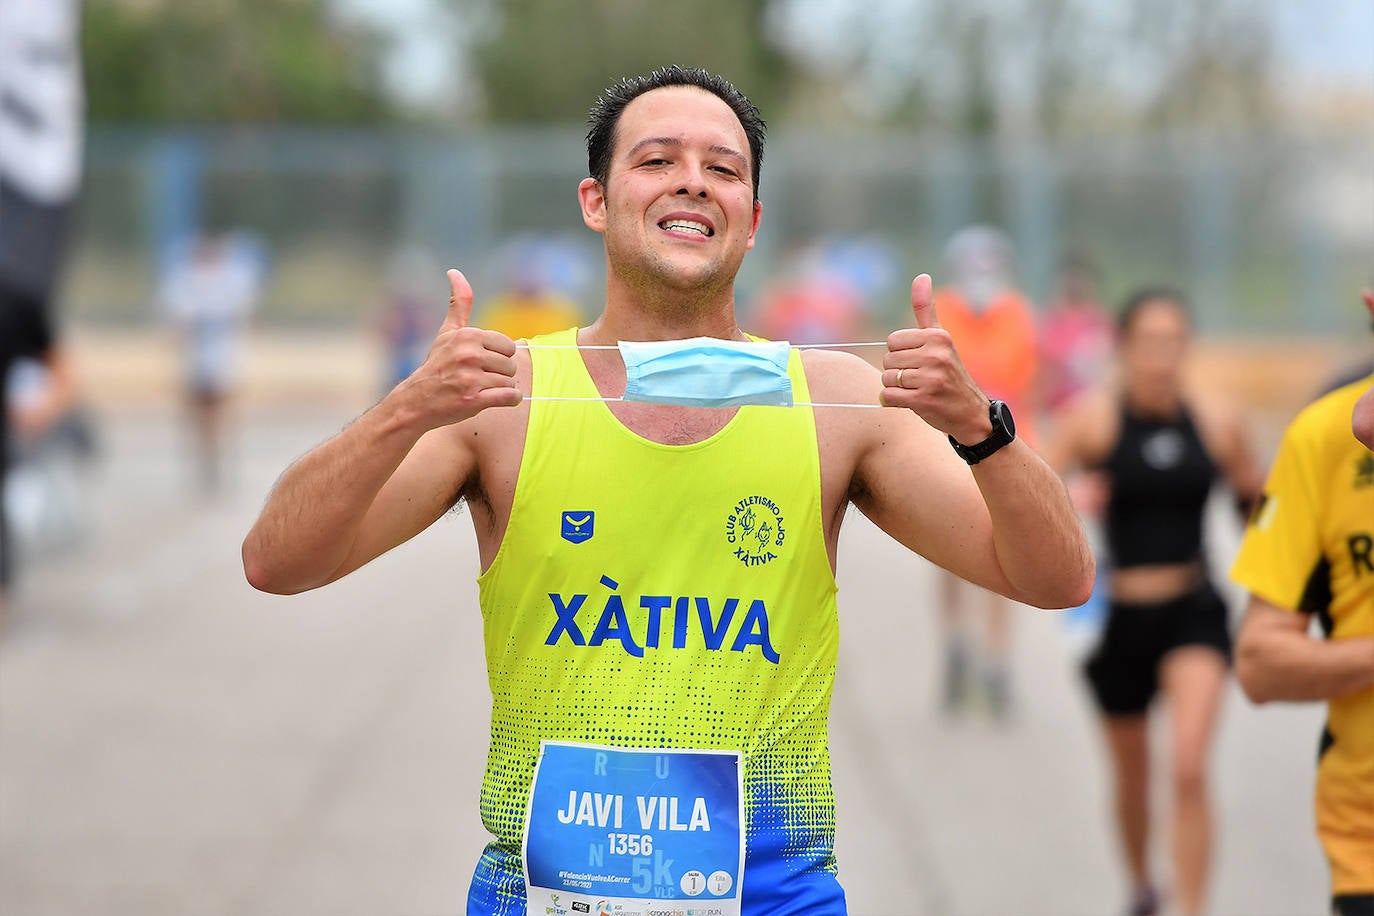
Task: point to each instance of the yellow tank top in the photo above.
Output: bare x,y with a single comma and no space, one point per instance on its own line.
657,596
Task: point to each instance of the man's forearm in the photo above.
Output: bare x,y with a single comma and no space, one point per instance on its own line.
1292,666
1038,539
314,513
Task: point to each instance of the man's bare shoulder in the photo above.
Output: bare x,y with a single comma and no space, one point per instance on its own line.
838,377
491,436
503,424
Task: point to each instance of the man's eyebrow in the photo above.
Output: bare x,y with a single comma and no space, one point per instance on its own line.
676,143
654,141
728,151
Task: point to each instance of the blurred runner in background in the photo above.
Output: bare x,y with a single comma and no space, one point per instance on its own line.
533,302
1155,450
208,295
809,302
1077,342
41,134
408,316
1077,335
993,326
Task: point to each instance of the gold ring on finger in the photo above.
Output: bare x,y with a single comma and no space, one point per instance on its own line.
899,378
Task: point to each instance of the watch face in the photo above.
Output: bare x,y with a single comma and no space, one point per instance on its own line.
1001,416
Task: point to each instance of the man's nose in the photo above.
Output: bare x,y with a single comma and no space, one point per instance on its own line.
693,182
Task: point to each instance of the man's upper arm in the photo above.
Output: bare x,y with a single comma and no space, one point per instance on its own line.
423,487
910,483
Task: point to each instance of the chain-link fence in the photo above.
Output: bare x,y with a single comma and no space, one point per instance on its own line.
1269,234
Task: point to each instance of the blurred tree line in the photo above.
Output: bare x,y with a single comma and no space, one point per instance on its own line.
545,60
970,67
216,61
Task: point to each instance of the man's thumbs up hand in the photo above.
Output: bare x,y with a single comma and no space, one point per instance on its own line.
467,369
922,371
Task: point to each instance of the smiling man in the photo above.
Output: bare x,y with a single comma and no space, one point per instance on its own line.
660,703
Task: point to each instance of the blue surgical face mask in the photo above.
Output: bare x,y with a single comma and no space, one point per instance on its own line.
707,372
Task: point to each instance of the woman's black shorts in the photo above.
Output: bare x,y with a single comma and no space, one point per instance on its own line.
1124,668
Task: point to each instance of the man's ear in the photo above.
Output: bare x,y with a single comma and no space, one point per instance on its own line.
592,197
754,229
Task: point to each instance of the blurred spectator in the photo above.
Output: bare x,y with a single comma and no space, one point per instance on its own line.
809,303
992,325
528,309
25,335
1077,334
40,176
538,271
1154,450
52,445
991,321
1077,340
409,316
208,294
1305,556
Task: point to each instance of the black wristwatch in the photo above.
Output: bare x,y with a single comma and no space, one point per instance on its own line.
1003,431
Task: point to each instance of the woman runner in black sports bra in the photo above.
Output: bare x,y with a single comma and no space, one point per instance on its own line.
1152,451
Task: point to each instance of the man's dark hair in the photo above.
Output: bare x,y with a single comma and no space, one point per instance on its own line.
605,114
1143,297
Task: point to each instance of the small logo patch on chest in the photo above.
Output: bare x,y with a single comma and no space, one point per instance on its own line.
755,530
578,526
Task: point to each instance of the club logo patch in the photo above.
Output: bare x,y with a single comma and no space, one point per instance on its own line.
578,526
754,530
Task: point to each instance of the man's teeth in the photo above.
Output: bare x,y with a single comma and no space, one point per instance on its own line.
687,226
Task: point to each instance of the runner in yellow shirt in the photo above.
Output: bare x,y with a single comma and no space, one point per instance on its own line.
1309,550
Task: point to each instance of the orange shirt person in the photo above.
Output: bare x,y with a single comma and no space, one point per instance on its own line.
999,346
992,325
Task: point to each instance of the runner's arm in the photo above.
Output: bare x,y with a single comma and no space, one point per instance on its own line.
1236,457
391,473
1277,660
1005,523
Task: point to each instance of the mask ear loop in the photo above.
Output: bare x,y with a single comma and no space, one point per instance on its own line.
812,346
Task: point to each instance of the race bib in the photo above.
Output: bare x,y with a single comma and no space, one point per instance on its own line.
641,832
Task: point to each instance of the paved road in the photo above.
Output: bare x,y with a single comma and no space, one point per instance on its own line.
172,742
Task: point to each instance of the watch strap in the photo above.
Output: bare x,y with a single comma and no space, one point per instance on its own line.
999,437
